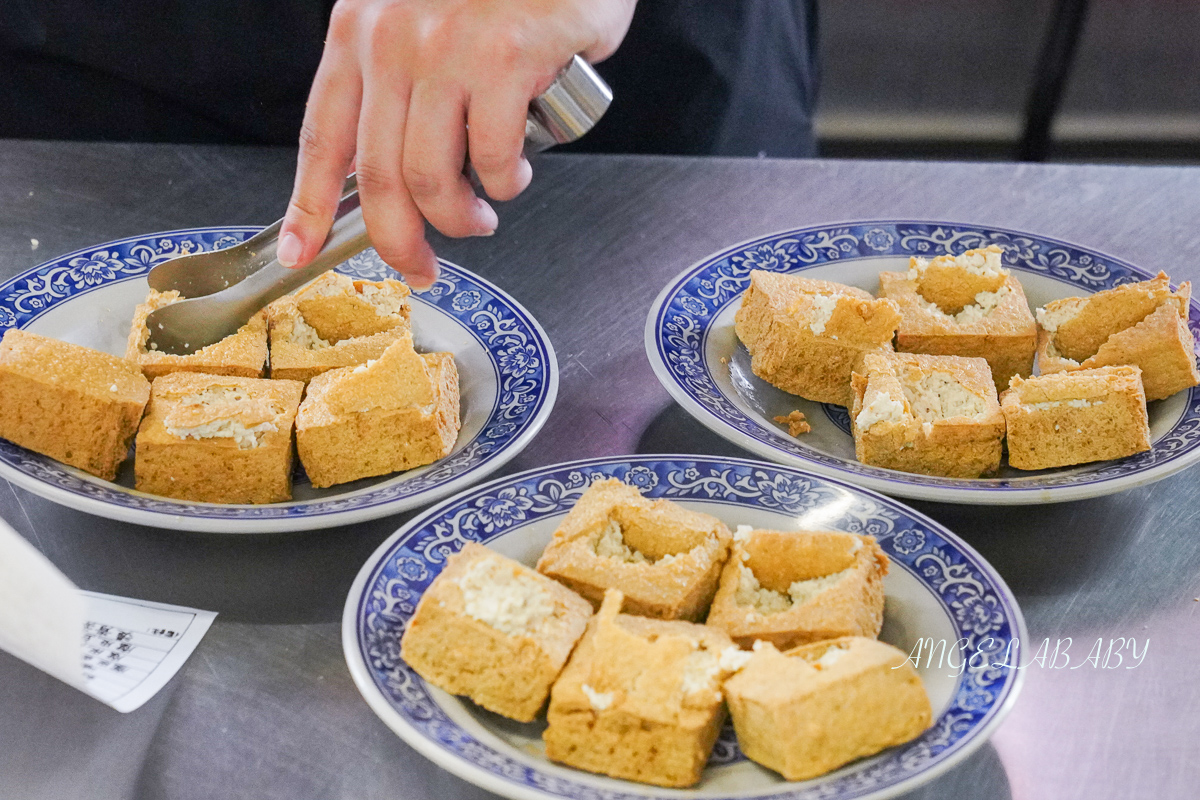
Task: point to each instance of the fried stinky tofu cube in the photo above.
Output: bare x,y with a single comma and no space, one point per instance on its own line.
640,698
795,587
395,413
494,630
335,322
242,354
663,557
339,308
71,403
1075,417
966,305
804,336
218,439
934,415
815,708
1140,324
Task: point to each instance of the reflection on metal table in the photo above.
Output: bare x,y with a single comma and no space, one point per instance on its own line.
266,707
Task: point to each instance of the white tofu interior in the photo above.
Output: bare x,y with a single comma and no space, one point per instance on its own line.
306,335
611,542
498,595
823,306
222,412
938,396
768,601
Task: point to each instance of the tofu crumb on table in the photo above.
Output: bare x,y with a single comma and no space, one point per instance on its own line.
796,424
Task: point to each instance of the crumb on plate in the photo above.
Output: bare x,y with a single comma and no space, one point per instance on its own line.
796,424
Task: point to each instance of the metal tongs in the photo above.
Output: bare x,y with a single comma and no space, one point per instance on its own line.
225,288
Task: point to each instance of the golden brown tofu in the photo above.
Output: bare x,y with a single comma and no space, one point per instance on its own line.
933,415
218,439
795,587
335,322
1140,324
663,557
395,413
640,698
71,403
1075,417
966,305
494,630
805,336
815,708
243,353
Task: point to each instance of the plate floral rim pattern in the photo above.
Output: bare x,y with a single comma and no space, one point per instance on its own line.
980,606
525,367
681,319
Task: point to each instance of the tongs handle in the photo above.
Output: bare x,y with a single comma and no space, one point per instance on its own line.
347,238
188,325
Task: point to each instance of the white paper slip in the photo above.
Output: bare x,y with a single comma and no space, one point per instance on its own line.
130,648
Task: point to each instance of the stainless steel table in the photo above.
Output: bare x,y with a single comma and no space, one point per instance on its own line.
266,708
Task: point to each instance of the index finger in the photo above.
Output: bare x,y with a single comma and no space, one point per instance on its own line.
327,144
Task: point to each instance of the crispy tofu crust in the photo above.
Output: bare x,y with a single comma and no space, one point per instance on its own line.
74,404
851,607
398,413
339,308
1076,417
510,674
217,470
956,447
683,552
1095,318
334,307
951,284
635,702
242,354
802,717
1006,337
796,347
1140,324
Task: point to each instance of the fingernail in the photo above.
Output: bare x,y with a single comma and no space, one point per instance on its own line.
425,273
525,172
487,218
289,250
421,283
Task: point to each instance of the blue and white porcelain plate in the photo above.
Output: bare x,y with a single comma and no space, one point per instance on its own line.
507,370
698,358
941,597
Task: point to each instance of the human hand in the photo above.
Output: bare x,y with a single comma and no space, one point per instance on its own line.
404,89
